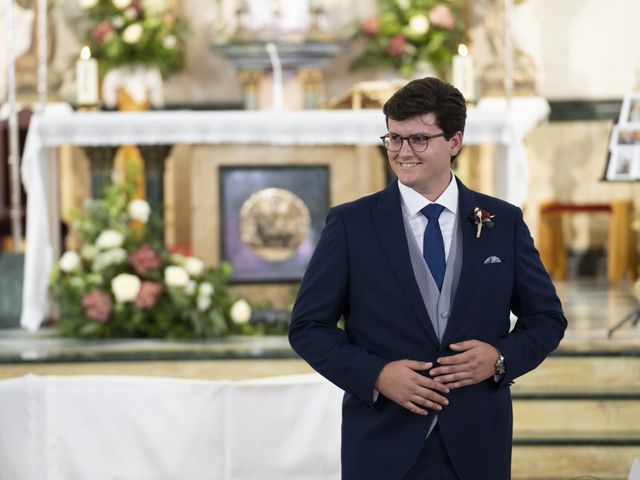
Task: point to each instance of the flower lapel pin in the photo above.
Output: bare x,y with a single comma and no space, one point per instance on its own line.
481,218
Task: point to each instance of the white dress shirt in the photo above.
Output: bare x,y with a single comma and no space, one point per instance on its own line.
413,202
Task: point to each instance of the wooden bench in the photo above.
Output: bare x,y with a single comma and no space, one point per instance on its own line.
622,243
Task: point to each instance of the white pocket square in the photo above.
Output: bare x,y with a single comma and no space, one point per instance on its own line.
492,260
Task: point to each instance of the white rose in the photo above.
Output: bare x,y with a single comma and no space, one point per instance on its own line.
169,42
109,239
176,276
130,13
139,210
240,311
117,22
203,303
132,33
86,4
206,289
125,287
419,24
121,4
194,266
69,262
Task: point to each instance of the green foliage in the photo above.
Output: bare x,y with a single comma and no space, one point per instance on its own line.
125,33
409,35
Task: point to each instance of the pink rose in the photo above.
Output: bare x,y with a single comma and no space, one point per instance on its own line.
370,26
440,16
101,31
397,45
145,260
149,294
97,306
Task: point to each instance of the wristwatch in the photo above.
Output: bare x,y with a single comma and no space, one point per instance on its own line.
501,368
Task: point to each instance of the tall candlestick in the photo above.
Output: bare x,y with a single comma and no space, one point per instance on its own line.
277,75
14,145
463,76
42,54
508,51
86,79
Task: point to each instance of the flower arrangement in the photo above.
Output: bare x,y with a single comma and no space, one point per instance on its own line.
410,35
132,33
124,283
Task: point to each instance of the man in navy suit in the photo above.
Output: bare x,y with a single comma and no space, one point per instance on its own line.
425,274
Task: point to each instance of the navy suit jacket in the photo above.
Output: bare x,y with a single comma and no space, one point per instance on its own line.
361,271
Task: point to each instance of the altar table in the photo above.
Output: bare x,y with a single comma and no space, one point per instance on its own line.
490,122
142,428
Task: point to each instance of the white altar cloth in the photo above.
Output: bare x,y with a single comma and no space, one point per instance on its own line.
490,122
144,428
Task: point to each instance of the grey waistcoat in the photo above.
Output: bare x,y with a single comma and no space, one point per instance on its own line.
437,303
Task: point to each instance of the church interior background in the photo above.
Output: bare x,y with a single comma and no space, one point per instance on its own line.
208,143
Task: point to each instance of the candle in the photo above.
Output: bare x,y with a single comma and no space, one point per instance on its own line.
86,78
463,76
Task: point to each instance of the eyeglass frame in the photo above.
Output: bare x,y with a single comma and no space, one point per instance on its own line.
408,139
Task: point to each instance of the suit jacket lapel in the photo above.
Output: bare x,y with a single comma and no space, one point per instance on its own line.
473,253
390,226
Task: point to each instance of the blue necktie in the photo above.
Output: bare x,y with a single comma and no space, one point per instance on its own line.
433,245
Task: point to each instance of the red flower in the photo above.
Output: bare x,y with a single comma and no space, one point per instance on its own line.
370,26
145,260
397,45
149,294
101,31
97,306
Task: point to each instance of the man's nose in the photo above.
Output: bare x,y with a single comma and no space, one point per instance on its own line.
405,148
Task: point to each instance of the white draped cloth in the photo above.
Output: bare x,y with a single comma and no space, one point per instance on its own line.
491,122
145,428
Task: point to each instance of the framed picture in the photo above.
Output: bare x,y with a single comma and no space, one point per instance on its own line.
271,220
630,111
624,163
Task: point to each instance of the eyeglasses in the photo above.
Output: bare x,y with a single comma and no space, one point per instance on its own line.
418,143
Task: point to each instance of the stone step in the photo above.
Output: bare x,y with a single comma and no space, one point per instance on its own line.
576,415
619,371
576,462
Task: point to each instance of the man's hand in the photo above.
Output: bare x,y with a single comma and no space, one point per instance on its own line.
476,363
400,381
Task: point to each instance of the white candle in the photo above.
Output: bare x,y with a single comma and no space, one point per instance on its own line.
86,78
463,76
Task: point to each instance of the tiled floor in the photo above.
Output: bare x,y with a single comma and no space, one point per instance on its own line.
592,306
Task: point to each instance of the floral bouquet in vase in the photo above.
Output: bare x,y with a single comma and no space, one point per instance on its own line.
136,45
123,282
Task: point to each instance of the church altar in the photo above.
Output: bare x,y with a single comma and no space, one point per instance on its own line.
81,427
492,121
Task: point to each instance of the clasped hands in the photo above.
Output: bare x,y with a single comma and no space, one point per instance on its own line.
400,381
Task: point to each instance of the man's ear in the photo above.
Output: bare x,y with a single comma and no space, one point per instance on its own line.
455,143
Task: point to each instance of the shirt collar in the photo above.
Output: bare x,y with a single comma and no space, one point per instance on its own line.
414,201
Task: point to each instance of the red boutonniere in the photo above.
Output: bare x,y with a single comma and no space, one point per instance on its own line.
481,218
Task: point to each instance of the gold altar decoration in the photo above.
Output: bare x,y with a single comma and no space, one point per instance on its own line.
524,68
372,94
273,223
128,160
